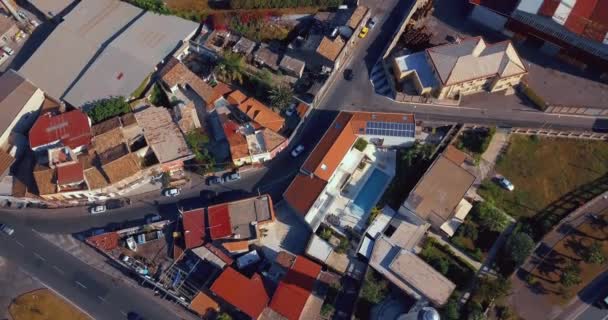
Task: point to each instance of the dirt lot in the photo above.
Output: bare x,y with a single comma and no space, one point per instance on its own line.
546,276
43,304
551,176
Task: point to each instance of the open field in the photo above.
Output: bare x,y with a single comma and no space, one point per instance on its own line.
42,304
546,173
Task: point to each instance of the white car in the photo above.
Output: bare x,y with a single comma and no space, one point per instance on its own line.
297,151
8,50
100,208
34,23
171,192
505,183
6,229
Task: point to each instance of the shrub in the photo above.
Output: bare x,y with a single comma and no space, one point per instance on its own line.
519,247
594,254
440,264
374,287
571,275
360,144
156,6
325,234
373,214
451,310
158,97
343,246
491,217
327,309
468,230
107,108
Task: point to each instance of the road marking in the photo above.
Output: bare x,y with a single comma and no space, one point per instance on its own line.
124,313
80,284
58,270
19,243
39,256
101,298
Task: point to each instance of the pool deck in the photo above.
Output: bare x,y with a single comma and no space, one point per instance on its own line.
349,180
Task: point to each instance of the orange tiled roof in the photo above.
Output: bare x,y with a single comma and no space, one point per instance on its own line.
293,291
261,114
248,295
303,192
204,304
330,49
236,97
272,139
236,246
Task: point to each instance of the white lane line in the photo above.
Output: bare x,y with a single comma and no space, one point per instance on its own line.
80,284
20,244
124,313
101,298
39,256
58,270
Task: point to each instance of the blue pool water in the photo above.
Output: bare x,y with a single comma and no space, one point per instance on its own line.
370,192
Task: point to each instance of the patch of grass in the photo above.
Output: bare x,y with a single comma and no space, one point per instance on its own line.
360,144
546,172
475,141
142,87
43,304
442,259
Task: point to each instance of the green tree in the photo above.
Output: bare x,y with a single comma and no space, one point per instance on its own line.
519,247
224,316
416,152
490,217
327,309
492,289
571,275
281,97
107,108
157,6
374,288
440,264
451,310
158,97
231,67
595,254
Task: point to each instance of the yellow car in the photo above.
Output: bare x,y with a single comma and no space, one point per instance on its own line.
363,32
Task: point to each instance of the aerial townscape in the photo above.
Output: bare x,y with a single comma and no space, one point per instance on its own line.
304,159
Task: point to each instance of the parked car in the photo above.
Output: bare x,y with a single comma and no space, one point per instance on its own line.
6,229
363,32
22,14
232,176
8,50
153,218
34,23
100,208
171,192
215,180
291,110
371,23
297,151
505,183
348,74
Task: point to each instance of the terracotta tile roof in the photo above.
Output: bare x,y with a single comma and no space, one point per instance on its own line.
70,173
221,89
356,17
194,228
237,142
108,139
106,126
330,49
128,119
94,178
219,221
236,246
203,304
71,128
219,253
285,259
6,161
261,114
122,168
272,139
236,97
303,192
331,149
454,155
176,73
248,295
302,109
45,180
293,291
105,242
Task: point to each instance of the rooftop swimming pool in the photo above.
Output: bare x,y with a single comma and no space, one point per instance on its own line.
370,192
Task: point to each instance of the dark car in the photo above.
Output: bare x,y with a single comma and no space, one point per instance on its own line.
215,180
232,176
348,74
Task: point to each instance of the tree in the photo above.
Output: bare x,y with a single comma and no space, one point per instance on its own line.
491,289
491,217
374,289
595,254
571,275
440,264
519,247
224,316
231,67
281,97
107,108
451,310
417,151
158,97
157,6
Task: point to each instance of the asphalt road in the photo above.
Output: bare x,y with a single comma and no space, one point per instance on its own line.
100,295
592,298
358,94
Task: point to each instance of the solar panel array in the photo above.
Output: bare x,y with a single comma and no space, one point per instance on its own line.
390,129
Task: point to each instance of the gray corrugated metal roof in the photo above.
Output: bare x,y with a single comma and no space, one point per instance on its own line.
51,7
103,48
15,92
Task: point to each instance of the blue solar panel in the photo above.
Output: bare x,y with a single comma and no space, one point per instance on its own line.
390,129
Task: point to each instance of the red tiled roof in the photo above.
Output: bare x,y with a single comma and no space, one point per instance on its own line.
293,291
104,242
236,97
194,228
261,114
303,192
248,295
71,128
588,18
70,173
236,246
219,253
219,221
